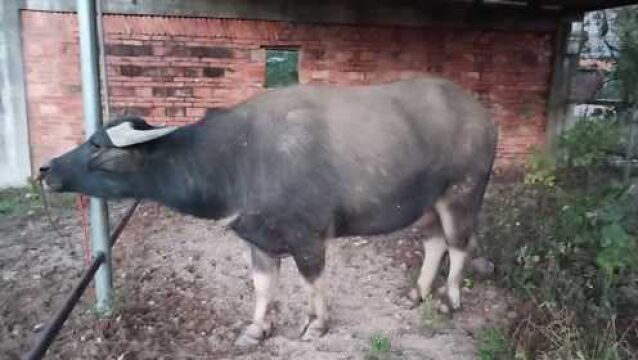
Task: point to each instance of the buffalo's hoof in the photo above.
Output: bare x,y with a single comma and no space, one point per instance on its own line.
442,300
313,329
449,300
252,336
414,298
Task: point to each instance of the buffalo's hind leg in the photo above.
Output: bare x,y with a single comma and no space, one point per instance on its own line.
310,261
265,275
435,246
434,250
458,210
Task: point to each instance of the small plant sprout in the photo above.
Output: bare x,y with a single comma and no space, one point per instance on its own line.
430,314
493,345
380,347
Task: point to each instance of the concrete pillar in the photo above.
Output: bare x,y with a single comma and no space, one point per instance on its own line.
15,161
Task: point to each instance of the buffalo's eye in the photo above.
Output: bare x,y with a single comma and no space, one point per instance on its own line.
95,146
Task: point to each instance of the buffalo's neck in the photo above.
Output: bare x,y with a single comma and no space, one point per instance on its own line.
192,172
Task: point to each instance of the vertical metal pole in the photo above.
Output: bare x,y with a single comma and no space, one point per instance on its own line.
92,121
103,71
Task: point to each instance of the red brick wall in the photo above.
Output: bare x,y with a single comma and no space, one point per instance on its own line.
170,70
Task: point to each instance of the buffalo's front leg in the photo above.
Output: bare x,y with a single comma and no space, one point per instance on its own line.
265,275
310,261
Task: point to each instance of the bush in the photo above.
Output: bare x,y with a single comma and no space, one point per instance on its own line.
586,143
575,251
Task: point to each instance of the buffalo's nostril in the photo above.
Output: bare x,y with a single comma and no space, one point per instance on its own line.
44,168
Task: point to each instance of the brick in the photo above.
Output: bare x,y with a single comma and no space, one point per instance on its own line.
168,71
213,72
196,112
121,91
172,91
528,58
320,75
156,111
131,110
182,92
128,50
199,51
162,79
48,109
258,55
143,91
202,92
73,89
131,70
192,72
160,92
175,111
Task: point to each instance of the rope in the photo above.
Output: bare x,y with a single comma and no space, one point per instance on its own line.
80,203
45,204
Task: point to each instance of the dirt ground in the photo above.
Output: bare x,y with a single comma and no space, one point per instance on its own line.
183,291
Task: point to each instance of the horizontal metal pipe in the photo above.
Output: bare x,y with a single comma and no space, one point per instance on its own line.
54,328
123,222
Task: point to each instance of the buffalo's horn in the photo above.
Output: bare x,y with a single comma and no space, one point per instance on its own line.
125,135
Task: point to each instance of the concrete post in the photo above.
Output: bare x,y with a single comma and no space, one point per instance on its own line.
92,121
15,160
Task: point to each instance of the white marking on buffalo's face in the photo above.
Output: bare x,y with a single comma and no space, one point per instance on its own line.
124,134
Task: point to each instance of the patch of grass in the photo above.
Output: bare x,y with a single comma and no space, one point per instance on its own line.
379,348
430,315
28,200
119,301
18,200
568,339
493,345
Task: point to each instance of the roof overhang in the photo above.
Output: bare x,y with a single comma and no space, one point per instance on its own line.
555,5
526,15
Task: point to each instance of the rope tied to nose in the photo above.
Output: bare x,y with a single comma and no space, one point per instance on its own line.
47,210
80,204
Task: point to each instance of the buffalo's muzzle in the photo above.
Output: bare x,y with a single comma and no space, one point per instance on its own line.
44,169
52,182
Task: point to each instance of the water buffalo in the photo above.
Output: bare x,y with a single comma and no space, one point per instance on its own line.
302,164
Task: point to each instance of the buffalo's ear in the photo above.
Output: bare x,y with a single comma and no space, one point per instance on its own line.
116,160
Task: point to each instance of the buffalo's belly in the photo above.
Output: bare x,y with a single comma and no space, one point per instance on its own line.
390,213
378,221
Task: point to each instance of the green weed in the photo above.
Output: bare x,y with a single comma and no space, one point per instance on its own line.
18,200
430,314
493,345
380,347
